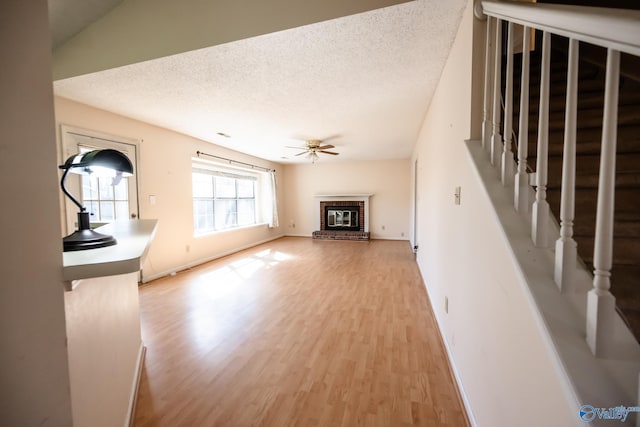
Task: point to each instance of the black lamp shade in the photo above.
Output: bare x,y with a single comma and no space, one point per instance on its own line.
103,162
110,163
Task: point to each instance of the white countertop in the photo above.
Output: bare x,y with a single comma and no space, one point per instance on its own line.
133,237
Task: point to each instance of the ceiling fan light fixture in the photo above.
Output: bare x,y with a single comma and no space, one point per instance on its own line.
313,147
313,156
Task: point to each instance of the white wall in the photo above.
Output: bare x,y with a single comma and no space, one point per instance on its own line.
164,171
34,379
386,179
497,348
104,341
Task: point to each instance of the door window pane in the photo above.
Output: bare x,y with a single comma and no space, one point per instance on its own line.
92,208
122,209
121,191
105,188
107,212
104,201
89,187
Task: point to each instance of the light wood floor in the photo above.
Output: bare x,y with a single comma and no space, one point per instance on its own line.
296,332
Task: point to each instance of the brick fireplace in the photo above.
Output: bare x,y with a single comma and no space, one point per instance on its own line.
342,217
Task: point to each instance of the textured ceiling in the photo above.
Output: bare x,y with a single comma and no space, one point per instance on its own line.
365,81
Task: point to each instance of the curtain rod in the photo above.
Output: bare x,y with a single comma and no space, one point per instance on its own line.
200,153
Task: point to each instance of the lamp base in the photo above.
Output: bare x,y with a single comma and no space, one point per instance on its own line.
87,239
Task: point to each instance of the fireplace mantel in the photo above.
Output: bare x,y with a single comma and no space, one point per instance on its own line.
358,197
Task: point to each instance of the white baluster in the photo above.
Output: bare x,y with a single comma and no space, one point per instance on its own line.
507,154
488,55
600,302
566,246
540,210
521,184
496,139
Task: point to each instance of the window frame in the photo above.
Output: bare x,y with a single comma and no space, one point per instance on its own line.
216,171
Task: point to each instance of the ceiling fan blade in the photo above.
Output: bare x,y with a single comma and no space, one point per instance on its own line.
296,148
304,152
334,136
325,147
328,152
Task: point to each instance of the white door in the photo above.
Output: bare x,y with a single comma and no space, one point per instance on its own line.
104,201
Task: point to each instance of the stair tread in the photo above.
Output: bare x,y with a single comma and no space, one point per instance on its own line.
594,99
589,164
590,180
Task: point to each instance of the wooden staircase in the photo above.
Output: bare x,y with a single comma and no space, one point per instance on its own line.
626,253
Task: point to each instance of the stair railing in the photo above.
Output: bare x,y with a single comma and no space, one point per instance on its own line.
617,31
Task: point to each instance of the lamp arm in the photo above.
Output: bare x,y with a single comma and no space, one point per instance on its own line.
64,190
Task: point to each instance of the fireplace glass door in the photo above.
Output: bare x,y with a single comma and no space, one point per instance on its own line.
341,218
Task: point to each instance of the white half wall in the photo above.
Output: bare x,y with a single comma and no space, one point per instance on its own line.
497,348
164,171
104,341
385,180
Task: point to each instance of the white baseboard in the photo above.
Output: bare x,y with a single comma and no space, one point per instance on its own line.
463,395
192,264
133,396
389,238
297,235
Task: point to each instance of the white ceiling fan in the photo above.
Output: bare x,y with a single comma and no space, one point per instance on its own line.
313,147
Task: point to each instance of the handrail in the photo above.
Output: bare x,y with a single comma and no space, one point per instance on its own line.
611,28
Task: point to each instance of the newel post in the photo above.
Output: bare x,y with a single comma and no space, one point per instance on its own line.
601,308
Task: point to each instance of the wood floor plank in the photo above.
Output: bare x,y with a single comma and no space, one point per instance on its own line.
296,332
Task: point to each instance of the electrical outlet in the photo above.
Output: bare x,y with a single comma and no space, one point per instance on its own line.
457,195
446,305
